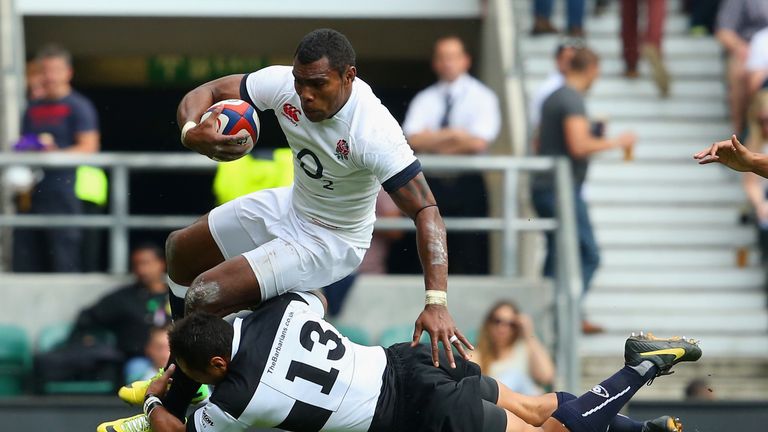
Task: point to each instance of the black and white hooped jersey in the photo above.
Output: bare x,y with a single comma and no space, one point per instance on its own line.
340,162
292,370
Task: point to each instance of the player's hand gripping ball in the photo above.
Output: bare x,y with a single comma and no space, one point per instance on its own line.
236,115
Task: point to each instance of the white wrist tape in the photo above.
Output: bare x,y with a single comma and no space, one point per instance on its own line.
187,126
436,297
150,404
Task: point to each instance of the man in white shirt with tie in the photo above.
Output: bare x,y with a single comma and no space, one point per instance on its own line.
458,115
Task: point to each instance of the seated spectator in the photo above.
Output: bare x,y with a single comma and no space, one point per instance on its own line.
757,61
754,185
156,353
737,22
132,311
508,350
458,115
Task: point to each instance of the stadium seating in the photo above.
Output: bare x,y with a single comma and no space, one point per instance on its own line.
14,359
53,337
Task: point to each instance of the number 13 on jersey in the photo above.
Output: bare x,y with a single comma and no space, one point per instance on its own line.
318,370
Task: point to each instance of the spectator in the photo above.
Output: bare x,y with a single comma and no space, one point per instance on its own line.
699,389
703,13
63,120
130,312
754,186
757,62
651,46
565,131
156,353
737,22
555,80
542,13
508,350
458,115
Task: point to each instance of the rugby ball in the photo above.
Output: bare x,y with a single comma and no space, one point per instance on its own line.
236,115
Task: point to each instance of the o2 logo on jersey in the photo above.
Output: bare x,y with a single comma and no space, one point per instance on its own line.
310,164
291,113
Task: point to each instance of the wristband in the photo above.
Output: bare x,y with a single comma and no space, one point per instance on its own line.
436,297
187,126
150,403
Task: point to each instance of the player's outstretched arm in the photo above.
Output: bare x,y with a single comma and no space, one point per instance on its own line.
204,138
735,156
416,200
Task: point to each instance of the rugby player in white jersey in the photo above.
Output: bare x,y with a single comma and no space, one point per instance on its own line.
283,366
346,146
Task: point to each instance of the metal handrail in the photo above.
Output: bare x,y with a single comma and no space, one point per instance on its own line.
119,221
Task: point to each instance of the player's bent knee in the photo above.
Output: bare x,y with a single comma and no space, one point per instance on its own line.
204,295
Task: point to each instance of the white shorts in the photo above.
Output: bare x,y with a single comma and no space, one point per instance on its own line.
285,252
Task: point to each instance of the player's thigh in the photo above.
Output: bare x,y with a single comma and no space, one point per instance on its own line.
190,251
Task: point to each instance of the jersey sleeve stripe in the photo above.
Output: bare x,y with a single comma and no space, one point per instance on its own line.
244,90
403,177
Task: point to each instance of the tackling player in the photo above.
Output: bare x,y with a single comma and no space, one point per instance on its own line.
346,146
283,366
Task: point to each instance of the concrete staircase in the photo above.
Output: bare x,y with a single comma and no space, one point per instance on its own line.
669,230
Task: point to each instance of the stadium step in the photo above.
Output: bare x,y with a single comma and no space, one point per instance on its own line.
731,236
643,301
677,46
644,88
658,151
680,194
684,68
682,280
663,216
619,171
653,109
747,345
688,257
686,322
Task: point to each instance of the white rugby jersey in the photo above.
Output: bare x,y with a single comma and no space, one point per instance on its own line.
340,162
292,370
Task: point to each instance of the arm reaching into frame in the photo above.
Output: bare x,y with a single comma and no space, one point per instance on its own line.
416,200
735,156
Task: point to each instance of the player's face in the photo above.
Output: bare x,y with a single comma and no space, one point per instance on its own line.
502,325
322,89
147,266
211,375
450,60
56,73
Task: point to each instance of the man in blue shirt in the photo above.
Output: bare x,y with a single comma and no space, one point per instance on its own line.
63,121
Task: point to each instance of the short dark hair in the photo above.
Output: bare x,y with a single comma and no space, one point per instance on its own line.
199,337
583,58
326,43
54,51
157,250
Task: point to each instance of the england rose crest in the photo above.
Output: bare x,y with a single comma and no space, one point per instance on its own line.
342,150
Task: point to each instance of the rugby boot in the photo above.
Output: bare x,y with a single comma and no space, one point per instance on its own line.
664,353
137,423
133,393
663,424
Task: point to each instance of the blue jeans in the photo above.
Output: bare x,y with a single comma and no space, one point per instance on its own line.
575,11
544,203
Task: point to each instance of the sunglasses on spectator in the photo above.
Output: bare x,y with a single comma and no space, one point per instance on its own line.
499,321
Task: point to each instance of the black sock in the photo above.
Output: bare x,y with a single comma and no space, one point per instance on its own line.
595,410
620,423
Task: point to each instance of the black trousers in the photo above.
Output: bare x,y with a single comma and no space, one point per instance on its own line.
49,250
459,196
